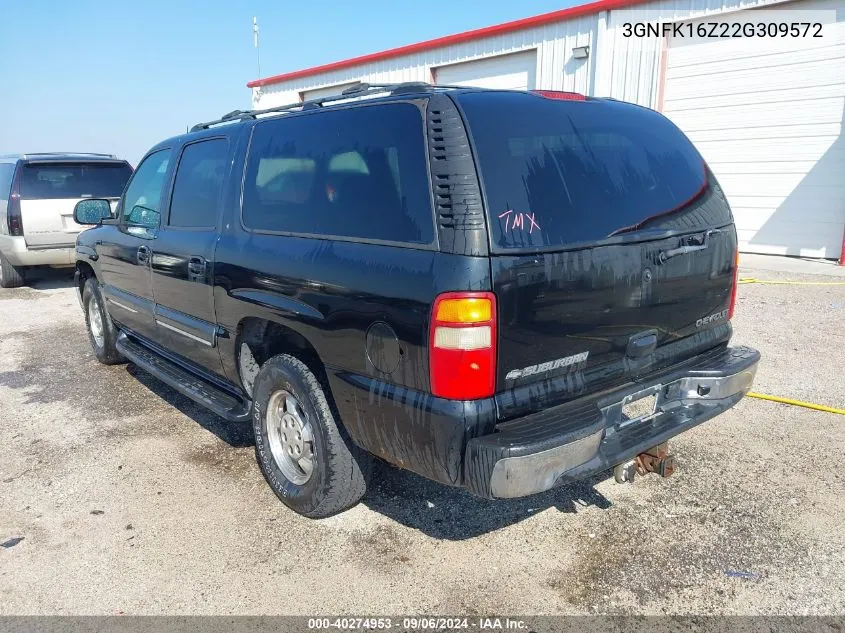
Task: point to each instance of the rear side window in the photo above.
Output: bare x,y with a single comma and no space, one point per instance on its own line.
7,172
73,180
199,181
560,173
355,173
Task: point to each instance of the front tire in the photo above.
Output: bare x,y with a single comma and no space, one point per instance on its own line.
101,330
10,276
306,458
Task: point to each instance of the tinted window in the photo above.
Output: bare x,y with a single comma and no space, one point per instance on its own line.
143,196
359,172
73,180
558,172
199,181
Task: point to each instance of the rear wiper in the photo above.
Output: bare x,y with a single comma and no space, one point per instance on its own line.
694,243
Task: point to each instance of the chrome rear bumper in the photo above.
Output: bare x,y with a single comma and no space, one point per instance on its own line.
592,434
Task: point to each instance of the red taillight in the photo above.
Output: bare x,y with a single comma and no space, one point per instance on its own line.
560,94
732,304
462,345
13,210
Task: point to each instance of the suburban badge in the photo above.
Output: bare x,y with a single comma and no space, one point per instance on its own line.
547,366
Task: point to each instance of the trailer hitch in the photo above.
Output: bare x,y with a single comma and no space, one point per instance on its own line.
656,460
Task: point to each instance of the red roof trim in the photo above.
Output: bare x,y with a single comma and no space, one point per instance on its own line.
487,31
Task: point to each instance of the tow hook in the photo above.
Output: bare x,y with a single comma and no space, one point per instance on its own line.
657,460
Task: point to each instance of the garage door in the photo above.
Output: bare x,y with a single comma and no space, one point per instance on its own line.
508,72
767,114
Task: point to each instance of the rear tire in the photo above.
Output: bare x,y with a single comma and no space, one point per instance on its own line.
10,276
102,332
306,458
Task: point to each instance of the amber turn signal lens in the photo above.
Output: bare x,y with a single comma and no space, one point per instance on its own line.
466,310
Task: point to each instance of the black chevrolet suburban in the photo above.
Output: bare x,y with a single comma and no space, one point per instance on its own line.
499,290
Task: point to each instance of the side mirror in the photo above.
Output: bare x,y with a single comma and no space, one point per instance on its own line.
92,211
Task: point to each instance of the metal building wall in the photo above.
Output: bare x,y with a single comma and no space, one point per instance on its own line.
629,68
623,68
556,68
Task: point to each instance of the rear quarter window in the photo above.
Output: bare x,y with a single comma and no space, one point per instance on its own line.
7,172
559,173
356,173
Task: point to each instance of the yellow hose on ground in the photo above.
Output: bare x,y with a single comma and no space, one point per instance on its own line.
753,280
797,403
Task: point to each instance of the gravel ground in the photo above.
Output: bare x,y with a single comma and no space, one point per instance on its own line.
131,499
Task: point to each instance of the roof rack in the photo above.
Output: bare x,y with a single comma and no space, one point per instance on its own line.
361,89
26,155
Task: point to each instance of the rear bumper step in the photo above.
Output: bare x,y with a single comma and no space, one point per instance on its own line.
222,403
585,437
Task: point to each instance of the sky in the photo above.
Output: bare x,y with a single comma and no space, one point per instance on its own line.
119,76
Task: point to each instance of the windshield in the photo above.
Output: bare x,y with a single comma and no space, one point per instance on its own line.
560,173
73,180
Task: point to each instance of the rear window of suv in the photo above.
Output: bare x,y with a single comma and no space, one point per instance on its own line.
561,173
357,173
73,180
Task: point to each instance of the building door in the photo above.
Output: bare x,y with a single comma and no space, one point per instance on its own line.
517,71
767,114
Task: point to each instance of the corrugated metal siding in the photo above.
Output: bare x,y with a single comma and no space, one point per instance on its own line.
556,68
767,116
630,70
619,67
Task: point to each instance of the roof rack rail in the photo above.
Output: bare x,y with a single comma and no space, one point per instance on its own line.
34,154
361,89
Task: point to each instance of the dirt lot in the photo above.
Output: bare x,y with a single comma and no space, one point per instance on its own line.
131,499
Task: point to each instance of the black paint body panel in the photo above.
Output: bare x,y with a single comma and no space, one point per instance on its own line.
332,292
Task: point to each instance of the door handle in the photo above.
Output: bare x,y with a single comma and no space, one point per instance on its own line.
143,255
196,266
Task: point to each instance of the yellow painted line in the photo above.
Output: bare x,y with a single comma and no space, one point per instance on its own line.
752,280
797,403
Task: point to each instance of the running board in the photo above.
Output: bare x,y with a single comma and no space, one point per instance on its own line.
217,400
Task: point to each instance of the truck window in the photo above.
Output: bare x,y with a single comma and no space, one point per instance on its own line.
559,173
198,184
352,173
7,170
143,194
73,180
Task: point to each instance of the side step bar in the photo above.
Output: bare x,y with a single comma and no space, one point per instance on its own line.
217,400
